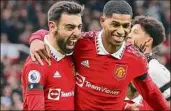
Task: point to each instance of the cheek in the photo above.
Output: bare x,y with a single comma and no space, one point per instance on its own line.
65,39
61,38
63,34
135,37
142,41
130,40
110,28
139,39
113,29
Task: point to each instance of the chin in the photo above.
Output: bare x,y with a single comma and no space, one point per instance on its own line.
68,51
117,43
69,47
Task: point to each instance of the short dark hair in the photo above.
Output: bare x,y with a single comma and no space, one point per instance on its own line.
118,7
69,7
153,27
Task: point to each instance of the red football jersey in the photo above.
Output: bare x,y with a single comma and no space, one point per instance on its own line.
49,87
102,79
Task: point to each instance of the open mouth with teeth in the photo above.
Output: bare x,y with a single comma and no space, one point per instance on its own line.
118,39
71,43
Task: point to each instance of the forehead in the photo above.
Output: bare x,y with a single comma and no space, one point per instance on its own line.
74,19
123,18
137,27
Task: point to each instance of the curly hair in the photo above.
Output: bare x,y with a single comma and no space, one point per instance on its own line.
118,7
153,27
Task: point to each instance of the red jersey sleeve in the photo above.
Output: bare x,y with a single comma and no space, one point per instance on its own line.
141,66
150,92
33,81
139,61
38,35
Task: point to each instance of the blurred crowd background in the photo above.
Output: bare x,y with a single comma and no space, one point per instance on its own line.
20,18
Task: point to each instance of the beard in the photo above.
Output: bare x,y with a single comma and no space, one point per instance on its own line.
62,45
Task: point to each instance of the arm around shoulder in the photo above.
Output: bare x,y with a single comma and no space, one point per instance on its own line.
38,35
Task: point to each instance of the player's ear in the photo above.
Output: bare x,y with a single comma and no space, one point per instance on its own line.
102,20
149,41
52,26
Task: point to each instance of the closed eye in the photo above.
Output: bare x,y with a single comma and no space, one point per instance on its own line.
135,31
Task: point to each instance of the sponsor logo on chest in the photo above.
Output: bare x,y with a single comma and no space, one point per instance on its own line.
57,94
81,81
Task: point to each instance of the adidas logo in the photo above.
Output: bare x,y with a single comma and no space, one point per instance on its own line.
56,75
85,63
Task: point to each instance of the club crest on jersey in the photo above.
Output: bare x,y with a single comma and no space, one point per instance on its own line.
34,76
120,71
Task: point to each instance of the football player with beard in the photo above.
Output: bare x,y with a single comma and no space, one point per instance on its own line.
53,87
106,64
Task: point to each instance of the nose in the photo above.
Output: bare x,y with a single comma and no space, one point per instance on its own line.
76,32
129,38
121,31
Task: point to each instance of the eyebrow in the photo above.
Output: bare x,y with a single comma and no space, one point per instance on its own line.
122,23
72,25
69,25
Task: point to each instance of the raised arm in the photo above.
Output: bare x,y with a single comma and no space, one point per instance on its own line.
38,35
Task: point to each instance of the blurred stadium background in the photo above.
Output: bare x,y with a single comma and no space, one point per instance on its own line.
20,18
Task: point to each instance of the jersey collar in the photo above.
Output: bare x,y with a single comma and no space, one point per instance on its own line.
55,54
102,51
